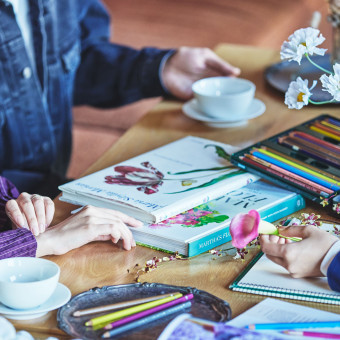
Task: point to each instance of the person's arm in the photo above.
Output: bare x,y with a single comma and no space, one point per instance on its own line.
109,74
113,75
87,225
19,242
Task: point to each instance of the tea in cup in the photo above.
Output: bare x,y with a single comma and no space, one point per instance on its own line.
224,98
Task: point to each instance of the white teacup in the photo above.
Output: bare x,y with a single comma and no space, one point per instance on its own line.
224,98
27,282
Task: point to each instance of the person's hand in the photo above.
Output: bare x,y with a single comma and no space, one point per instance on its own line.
189,64
302,258
87,225
32,212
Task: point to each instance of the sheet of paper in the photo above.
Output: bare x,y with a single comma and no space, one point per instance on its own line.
277,311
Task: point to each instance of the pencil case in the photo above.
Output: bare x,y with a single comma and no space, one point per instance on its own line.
304,159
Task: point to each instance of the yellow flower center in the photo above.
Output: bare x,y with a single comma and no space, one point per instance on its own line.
300,97
303,44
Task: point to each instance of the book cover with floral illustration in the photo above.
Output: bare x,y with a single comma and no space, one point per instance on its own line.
206,226
163,182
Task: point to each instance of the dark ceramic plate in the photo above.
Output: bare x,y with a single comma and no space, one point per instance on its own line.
204,305
281,74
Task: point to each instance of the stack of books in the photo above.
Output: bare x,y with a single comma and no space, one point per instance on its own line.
185,192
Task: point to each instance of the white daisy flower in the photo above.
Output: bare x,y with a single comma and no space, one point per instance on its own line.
302,41
331,83
298,93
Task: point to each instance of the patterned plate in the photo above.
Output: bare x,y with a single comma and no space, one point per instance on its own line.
204,305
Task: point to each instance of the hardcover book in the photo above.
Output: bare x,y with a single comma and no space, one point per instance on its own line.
163,182
207,226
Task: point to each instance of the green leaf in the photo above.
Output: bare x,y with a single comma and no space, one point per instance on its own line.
200,170
207,219
220,151
211,182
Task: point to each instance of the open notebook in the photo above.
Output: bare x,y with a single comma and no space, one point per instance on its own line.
265,277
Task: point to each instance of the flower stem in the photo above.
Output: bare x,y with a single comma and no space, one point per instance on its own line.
321,103
316,65
290,238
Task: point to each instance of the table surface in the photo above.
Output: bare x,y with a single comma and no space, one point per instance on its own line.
99,264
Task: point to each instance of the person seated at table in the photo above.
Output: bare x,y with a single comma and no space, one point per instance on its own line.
31,215
317,254
56,54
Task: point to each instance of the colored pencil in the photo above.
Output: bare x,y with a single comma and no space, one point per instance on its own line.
303,142
146,320
296,168
297,161
335,127
296,179
147,312
315,140
310,150
325,128
120,305
325,133
313,334
105,319
333,121
295,325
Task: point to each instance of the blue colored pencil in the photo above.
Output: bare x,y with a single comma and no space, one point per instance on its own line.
294,325
146,320
296,171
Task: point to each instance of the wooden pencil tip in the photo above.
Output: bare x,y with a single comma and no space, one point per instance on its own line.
88,323
76,313
106,335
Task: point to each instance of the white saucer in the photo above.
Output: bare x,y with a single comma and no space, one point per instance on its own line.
192,110
60,296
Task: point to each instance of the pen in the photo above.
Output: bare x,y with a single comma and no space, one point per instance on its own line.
147,312
129,311
313,334
146,320
294,325
118,305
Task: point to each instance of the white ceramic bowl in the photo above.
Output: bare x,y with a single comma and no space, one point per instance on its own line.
224,97
27,282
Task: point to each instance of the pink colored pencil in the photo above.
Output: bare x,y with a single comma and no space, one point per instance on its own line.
313,334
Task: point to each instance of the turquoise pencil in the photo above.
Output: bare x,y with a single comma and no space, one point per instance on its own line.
294,325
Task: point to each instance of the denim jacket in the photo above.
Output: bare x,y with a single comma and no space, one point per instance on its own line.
75,65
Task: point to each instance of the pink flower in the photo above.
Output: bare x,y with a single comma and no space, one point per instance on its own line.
244,228
148,180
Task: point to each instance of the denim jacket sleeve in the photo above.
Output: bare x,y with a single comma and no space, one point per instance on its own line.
112,75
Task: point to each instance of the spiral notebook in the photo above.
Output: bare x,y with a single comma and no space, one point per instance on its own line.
264,277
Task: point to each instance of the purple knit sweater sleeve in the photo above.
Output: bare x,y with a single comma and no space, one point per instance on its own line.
13,243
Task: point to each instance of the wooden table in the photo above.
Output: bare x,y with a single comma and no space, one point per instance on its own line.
99,264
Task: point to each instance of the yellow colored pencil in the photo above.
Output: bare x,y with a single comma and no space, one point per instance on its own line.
312,172
335,127
326,133
108,318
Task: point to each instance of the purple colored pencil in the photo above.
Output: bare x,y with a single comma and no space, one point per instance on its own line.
148,312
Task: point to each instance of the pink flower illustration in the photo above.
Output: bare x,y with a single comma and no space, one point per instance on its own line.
148,180
244,228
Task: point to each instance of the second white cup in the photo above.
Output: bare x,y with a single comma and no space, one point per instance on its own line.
224,98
